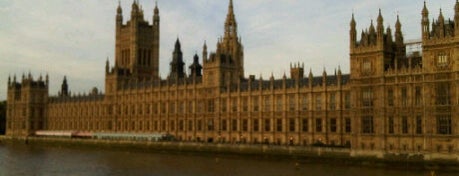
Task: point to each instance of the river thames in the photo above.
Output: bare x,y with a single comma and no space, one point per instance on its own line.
39,160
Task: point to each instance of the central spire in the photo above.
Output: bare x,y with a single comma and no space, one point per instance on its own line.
230,23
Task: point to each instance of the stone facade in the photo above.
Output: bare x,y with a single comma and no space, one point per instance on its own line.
389,101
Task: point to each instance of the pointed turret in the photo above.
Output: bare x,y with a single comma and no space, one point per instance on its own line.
372,34
441,23
389,36
9,80
204,52
195,68
324,77
64,88
177,63
230,22
107,66
156,15
178,46
441,18
353,32
47,79
156,8
380,26
398,32
119,15
135,11
425,23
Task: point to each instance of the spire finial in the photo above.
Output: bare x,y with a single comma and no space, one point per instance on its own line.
440,17
353,20
425,12
230,19
231,4
156,8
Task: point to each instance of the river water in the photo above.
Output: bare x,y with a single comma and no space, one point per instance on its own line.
40,160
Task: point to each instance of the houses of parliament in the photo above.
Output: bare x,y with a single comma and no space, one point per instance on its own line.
390,101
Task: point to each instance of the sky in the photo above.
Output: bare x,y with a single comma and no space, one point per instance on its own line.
74,38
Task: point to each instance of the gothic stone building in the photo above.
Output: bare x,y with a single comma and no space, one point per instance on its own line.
390,101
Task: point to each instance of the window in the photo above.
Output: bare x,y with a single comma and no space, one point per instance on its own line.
418,96
442,60
404,97
190,125
291,103
224,125
390,97
172,125
255,104
333,125
366,67
332,101
181,125
367,125
267,125
347,100
404,125
181,107
304,125
318,102
279,103
391,125
155,108
201,106
267,103
348,125
223,106
443,94
190,107
234,105
172,108
367,97
419,125
245,125
256,125
234,125
291,125
304,102
318,125
210,106
210,125
245,104
163,108
199,125
444,124
163,125
279,125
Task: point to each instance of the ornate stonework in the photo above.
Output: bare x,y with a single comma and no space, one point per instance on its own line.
389,101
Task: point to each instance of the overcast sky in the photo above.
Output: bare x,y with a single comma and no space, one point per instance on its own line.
75,37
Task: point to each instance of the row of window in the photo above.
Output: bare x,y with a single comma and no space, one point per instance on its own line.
207,106
442,96
408,126
256,125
